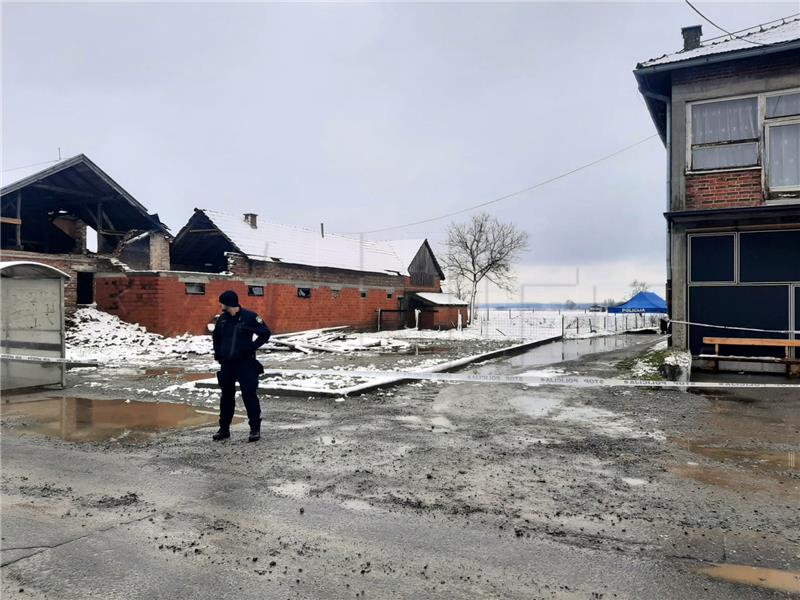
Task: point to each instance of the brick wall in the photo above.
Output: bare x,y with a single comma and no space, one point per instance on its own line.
755,75
731,189
446,317
71,264
160,303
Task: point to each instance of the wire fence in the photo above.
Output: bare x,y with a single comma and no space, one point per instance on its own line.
499,324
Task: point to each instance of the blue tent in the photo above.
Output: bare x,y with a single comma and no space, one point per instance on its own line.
643,302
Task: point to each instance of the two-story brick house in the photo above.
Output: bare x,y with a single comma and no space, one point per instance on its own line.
728,111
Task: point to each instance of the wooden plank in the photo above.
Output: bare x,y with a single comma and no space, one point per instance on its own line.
18,232
751,342
762,359
11,220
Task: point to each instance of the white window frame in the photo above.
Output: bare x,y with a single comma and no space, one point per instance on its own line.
760,103
768,125
764,125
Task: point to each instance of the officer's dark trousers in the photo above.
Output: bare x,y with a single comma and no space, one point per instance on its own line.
246,373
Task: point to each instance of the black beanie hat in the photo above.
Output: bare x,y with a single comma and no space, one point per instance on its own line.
229,298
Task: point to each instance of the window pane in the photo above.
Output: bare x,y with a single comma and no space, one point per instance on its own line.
783,106
769,256
784,155
712,257
725,121
721,157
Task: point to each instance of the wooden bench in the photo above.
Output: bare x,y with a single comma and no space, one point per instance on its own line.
787,345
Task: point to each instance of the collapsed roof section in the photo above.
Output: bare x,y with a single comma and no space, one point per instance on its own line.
209,234
49,210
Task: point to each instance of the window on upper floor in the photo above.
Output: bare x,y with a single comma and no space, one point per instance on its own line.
725,134
760,130
782,132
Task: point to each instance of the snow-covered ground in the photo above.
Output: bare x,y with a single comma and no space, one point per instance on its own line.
100,336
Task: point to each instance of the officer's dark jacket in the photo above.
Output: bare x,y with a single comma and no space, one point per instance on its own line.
233,336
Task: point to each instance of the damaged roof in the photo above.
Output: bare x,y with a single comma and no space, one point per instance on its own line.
270,242
79,183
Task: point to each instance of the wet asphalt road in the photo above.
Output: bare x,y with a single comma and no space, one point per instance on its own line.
429,490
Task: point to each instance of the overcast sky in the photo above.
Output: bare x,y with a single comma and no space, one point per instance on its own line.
365,116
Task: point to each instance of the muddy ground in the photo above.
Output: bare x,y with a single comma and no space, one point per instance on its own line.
425,491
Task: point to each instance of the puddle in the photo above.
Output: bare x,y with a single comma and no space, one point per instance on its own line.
151,372
534,406
736,480
773,579
292,489
755,459
198,376
574,349
85,419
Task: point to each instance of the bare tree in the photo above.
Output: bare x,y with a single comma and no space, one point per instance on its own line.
638,286
609,302
483,248
570,305
456,284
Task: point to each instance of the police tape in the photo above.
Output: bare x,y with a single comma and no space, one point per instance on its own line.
387,377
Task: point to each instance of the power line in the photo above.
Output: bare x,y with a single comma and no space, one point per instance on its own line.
733,35
47,162
518,192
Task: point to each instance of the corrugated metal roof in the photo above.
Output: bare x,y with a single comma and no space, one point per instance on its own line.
769,34
282,243
24,268
441,299
406,250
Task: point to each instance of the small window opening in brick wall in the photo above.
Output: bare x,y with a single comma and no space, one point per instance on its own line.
304,292
255,290
196,289
363,293
389,295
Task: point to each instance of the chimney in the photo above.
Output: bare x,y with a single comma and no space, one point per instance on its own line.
691,36
251,219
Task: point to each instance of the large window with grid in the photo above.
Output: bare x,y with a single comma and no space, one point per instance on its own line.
754,131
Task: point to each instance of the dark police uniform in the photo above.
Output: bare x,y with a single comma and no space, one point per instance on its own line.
235,349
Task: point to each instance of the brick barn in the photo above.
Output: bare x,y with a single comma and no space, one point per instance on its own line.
295,278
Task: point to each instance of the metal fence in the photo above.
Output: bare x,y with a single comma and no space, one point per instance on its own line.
527,325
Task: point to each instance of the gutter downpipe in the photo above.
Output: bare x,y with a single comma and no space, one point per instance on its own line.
668,104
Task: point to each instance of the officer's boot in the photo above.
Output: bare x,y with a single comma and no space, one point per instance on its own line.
223,434
255,431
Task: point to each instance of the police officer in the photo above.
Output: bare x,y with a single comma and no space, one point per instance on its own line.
235,349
